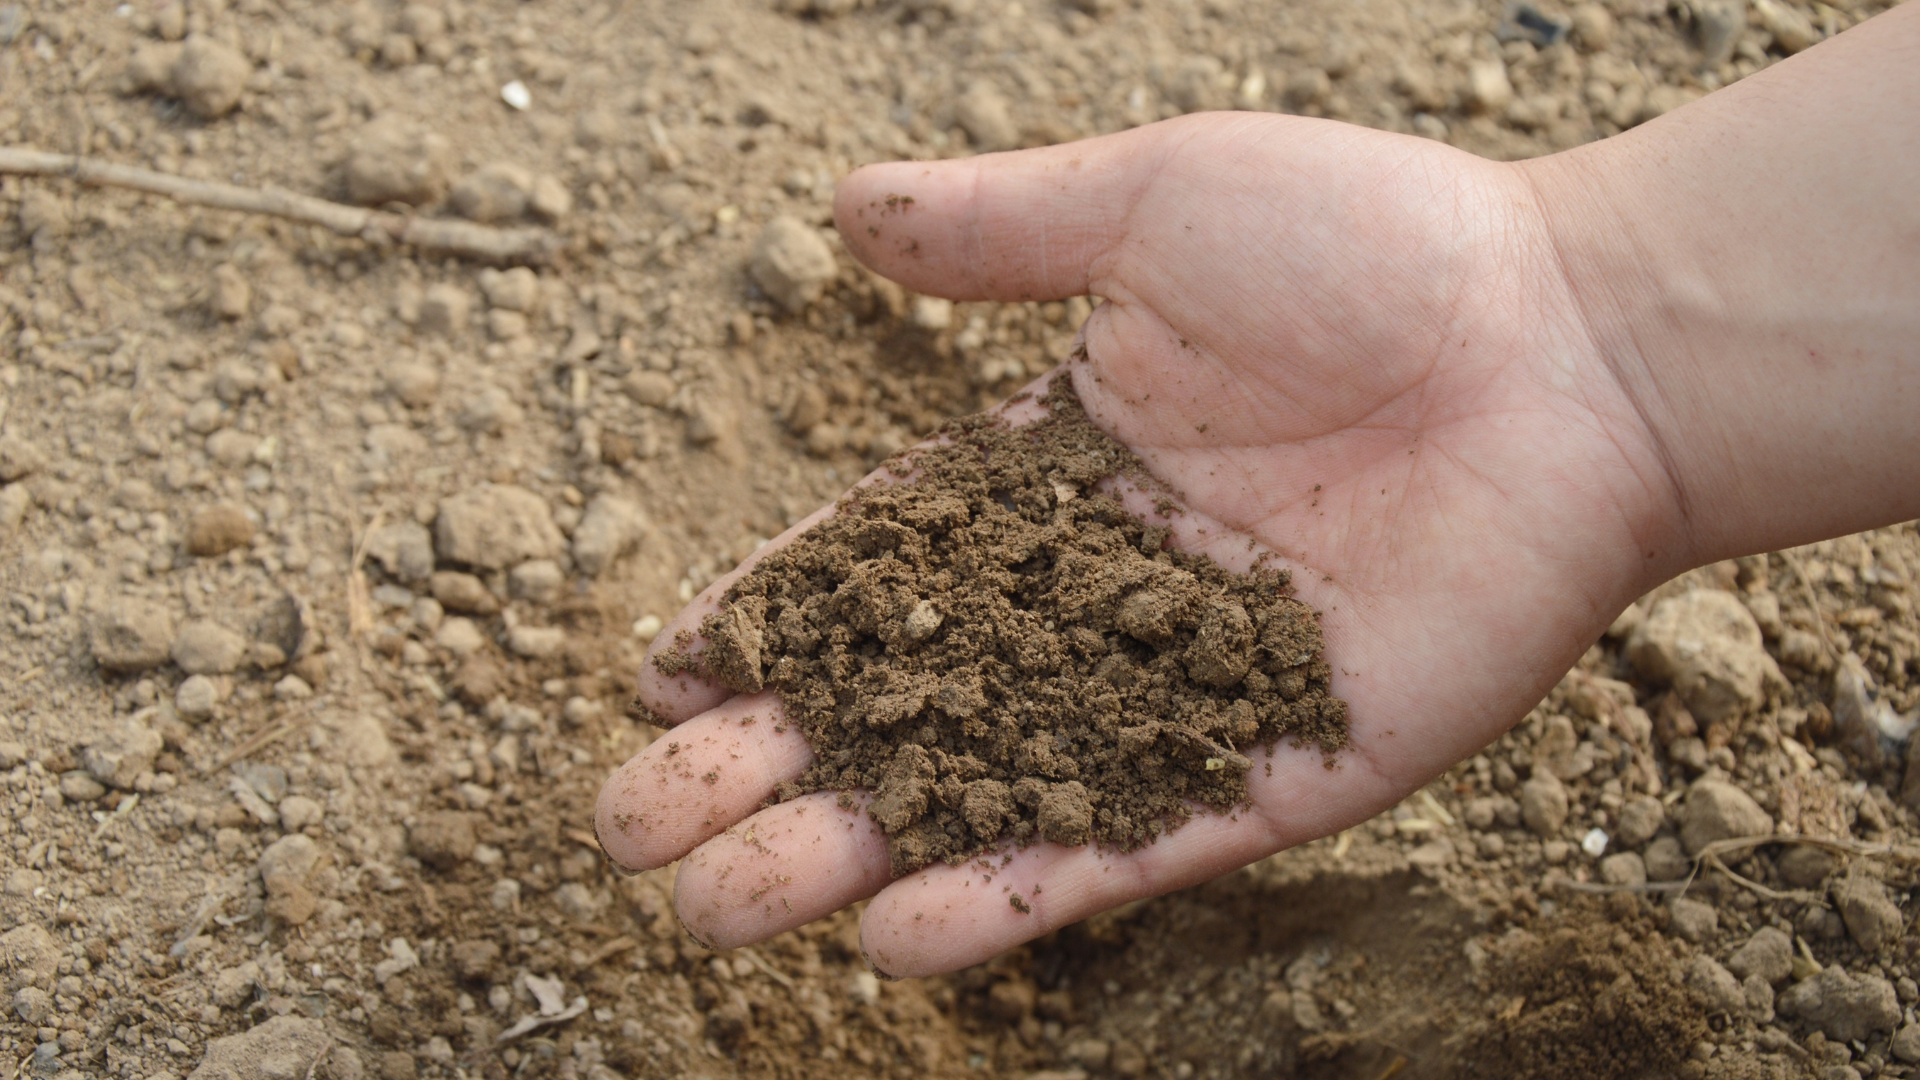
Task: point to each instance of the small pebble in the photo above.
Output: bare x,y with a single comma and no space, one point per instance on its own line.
792,263
218,529
196,697
517,95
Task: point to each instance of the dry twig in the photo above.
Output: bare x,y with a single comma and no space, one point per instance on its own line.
1709,858
377,227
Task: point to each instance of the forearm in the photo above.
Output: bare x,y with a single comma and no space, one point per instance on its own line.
1750,268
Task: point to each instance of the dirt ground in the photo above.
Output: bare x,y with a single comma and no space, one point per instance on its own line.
326,568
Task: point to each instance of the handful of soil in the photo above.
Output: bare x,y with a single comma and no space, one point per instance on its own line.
996,650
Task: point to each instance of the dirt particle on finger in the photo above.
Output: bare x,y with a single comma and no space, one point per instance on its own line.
998,651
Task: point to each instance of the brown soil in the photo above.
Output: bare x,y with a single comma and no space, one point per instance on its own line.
438,732
995,648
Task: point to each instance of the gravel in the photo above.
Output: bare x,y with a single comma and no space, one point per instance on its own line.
1716,810
495,526
792,263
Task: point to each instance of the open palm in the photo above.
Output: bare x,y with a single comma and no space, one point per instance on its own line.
1358,350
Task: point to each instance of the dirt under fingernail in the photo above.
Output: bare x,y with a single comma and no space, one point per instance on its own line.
999,651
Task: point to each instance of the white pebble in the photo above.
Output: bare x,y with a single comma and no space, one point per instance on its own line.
648,627
1594,843
517,95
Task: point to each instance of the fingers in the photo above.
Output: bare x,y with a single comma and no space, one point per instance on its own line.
783,867
676,697
945,918
1030,225
702,777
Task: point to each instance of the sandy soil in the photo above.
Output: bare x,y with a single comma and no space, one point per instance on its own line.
326,568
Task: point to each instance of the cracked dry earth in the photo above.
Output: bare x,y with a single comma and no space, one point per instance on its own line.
326,569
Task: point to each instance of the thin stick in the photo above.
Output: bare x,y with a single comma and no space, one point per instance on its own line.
376,227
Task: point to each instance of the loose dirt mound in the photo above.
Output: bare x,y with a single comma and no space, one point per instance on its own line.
994,648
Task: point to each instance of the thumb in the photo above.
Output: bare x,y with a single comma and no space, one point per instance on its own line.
1027,225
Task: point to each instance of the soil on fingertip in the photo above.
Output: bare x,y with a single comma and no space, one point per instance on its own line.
998,650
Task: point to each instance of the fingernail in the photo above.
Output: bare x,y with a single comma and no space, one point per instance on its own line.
695,938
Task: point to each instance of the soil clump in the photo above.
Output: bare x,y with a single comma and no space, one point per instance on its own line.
996,648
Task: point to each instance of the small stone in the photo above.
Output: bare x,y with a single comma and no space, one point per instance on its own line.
1488,88
443,838
404,549
209,77
118,758
475,960
29,954
1309,86
282,1048
297,812
294,855
495,526
648,627
232,448
535,642
1759,995
33,1005
426,614
1844,1006
550,201
462,592
1716,810
15,500
78,786
444,309
459,636
491,410
1716,985
492,193
516,290
611,527
654,388
150,68
1708,646
1623,868
1432,855
416,384
204,647
792,263
218,529
1692,920
394,161
1805,866
931,313
1638,820
1872,920
982,113
1767,954
206,416
1791,30
292,688
232,295
1906,1044
132,635
1543,804
538,580
1593,27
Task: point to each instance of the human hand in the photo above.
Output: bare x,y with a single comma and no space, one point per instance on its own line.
1356,349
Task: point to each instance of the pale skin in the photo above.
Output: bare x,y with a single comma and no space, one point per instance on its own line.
1476,408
